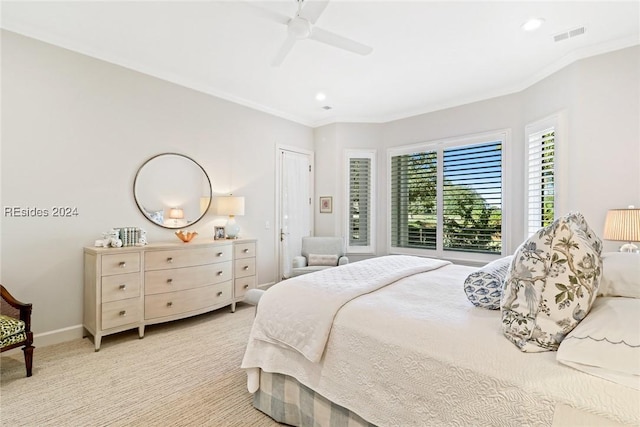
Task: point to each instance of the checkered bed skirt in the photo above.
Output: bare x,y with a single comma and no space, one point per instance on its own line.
287,401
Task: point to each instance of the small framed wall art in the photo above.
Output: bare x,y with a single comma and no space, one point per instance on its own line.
218,233
326,204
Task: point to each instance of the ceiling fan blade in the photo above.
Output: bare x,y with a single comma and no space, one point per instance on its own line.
312,9
338,41
284,51
265,13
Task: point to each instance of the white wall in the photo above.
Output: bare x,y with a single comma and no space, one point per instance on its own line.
327,180
599,99
74,132
330,144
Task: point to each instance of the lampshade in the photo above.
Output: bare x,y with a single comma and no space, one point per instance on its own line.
623,225
230,205
176,213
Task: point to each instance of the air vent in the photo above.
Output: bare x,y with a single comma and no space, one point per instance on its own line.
576,32
569,34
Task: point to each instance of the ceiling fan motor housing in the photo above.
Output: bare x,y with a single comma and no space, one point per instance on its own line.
299,27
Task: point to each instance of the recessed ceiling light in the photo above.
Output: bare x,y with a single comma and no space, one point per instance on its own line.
320,96
532,24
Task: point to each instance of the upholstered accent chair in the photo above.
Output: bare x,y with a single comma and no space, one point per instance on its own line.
15,326
319,253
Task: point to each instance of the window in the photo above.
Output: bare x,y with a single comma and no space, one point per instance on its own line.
472,198
540,179
447,196
360,201
414,215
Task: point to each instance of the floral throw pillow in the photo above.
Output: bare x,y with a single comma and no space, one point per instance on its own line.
552,284
484,287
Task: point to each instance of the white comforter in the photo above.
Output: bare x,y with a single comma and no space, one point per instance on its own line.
298,313
416,352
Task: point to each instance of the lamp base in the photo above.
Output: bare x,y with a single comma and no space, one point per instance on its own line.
629,247
232,228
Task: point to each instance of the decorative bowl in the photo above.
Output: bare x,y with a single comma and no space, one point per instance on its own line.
186,236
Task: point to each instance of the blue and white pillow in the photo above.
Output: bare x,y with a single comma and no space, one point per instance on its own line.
552,284
484,287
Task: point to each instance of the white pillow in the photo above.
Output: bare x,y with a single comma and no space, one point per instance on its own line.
606,343
323,260
620,275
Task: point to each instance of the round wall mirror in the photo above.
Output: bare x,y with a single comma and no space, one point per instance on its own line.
172,190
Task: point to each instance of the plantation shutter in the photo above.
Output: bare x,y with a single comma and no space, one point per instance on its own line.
413,200
360,201
540,180
472,198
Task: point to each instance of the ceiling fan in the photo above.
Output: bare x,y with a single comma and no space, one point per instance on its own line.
302,26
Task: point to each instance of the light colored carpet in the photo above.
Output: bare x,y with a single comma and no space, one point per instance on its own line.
183,373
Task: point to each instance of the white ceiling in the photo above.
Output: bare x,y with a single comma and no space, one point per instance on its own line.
427,55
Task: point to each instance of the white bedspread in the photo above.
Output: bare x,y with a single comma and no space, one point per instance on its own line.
418,353
299,312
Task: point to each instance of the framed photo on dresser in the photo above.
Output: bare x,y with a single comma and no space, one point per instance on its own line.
218,233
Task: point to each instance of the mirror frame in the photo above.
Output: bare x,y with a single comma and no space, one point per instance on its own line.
141,209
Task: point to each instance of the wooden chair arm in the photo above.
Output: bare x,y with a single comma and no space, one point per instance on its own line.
24,309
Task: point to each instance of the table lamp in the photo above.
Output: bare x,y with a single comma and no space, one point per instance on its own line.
230,205
175,214
623,225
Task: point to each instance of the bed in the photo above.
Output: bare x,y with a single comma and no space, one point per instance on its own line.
408,348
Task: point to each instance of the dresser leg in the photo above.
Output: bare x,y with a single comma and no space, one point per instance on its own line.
141,331
96,341
233,307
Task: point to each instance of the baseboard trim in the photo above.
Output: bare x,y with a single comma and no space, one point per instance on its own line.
58,336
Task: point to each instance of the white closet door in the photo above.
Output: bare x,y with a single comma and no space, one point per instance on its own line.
295,206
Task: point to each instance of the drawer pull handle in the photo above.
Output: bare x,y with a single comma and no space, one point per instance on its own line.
169,281
245,268
219,294
219,254
123,264
219,273
169,304
246,286
122,287
123,313
246,251
170,260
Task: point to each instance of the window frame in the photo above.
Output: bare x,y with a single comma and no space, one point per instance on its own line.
360,154
560,156
503,135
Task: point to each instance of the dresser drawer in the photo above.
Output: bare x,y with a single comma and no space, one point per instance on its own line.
245,250
178,279
120,263
176,303
178,258
245,267
119,313
120,286
242,285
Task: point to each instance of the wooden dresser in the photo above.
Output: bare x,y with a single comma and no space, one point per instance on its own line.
127,288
